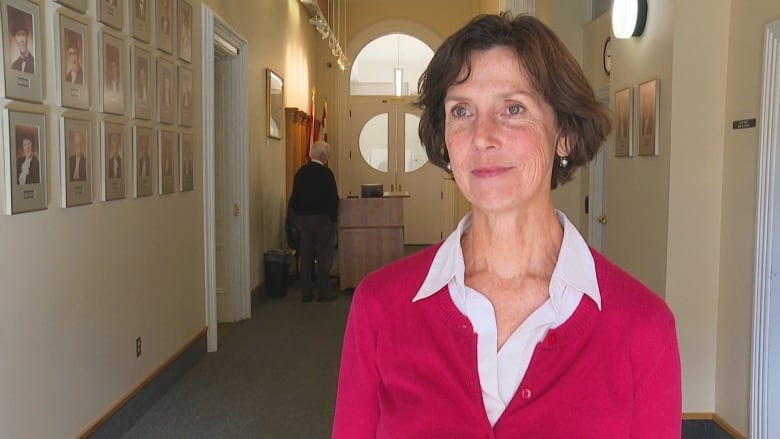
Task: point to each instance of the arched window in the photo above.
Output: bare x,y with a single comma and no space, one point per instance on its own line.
390,65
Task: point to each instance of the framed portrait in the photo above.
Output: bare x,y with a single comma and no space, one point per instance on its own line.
112,160
648,117
25,158
74,66
76,5
140,26
143,96
165,22
166,96
110,12
186,164
144,147
23,55
185,31
274,89
167,161
112,72
624,123
185,96
76,162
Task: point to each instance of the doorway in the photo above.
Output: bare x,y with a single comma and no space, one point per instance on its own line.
225,194
385,148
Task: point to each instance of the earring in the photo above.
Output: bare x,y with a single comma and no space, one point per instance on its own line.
449,166
564,161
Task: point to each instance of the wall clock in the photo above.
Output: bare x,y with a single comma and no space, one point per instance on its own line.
607,56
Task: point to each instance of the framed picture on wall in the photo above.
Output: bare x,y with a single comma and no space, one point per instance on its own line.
113,72
185,31
167,160
113,161
165,24
110,12
25,157
144,146
76,5
624,123
140,26
143,96
76,162
23,60
274,92
648,117
185,96
74,63
166,96
186,170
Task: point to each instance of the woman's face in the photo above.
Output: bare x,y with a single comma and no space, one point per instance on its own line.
500,135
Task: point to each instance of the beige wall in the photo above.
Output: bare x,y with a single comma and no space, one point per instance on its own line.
80,284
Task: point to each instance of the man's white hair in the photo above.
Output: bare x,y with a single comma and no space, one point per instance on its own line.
320,151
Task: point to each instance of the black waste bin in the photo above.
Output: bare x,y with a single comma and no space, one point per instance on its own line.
277,272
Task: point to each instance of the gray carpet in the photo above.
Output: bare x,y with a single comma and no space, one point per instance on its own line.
273,376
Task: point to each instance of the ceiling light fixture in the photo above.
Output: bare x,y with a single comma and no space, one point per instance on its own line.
320,23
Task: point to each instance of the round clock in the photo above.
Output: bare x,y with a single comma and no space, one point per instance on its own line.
607,56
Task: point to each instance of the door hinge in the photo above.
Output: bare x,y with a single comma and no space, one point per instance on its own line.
442,195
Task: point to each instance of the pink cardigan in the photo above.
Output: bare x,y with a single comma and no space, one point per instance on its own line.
409,370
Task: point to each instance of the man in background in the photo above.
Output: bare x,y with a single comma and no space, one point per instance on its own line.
314,202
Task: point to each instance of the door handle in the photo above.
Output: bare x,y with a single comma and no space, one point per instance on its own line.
602,218
236,209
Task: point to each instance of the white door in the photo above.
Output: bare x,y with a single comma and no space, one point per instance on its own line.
225,300
385,148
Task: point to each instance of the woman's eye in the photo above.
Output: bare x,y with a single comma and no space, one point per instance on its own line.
459,112
515,109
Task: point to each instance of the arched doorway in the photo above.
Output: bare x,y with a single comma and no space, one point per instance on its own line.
383,143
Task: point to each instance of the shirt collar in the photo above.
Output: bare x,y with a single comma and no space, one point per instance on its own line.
317,161
575,266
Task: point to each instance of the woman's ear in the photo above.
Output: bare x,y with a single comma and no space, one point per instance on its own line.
564,145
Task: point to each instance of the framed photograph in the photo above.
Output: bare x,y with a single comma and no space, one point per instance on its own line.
140,26
74,79
110,12
76,162
76,5
165,23
166,98
22,45
112,160
185,96
168,143
113,72
143,98
144,147
624,123
648,117
185,159
25,158
274,89
185,31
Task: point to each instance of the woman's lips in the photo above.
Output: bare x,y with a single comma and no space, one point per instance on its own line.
489,171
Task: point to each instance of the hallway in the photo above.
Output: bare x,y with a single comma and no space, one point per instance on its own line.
274,376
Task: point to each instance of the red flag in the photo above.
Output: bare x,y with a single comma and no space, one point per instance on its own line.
324,131
312,120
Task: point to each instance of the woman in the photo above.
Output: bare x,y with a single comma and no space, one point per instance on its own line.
512,327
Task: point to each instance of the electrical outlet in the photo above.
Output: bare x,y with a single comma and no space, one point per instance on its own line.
138,347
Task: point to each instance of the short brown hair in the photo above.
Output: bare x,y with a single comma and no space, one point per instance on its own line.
550,68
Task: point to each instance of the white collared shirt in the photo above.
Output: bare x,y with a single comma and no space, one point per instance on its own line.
500,372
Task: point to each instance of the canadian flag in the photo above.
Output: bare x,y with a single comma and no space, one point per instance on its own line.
324,129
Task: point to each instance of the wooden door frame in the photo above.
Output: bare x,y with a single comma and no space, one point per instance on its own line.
216,29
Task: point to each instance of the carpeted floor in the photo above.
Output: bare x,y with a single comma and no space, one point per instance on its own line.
274,376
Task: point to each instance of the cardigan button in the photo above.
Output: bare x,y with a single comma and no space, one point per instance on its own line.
525,393
552,337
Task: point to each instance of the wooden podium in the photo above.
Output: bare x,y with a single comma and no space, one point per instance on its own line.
371,234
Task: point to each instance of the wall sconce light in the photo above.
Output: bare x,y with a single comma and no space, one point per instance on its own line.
628,18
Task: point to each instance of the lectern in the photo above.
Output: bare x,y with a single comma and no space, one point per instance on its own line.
371,234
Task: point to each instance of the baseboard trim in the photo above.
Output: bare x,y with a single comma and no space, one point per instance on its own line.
120,417
717,420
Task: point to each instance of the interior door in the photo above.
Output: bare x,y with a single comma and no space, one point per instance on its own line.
385,148
225,308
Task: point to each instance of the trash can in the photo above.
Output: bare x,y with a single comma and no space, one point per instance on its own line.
277,272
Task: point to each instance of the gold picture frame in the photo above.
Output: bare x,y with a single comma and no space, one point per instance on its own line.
274,92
